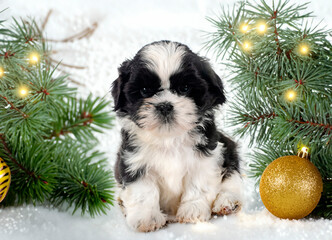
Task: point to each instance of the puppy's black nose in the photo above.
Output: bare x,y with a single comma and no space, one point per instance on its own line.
164,108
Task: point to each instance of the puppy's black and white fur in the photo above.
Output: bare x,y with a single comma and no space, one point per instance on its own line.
172,160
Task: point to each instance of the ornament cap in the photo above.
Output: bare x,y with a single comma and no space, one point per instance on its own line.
303,153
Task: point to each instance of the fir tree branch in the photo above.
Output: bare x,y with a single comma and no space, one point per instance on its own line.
66,73
24,115
9,154
68,128
276,34
327,126
289,55
83,181
49,169
83,34
324,207
46,20
81,117
7,54
256,119
227,39
65,64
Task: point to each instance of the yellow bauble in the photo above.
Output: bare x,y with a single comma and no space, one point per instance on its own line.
4,179
291,187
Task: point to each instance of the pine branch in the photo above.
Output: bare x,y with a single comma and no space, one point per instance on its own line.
83,182
83,34
324,207
81,118
291,54
326,127
46,20
51,60
62,169
10,156
255,119
13,107
226,39
305,121
32,174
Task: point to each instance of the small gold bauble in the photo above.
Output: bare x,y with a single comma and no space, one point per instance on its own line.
291,187
4,179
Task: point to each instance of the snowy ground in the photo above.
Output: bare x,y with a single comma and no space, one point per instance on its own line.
124,27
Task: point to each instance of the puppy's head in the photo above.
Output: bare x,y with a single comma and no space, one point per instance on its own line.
166,88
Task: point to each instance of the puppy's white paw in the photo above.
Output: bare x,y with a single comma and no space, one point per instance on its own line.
226,204
148,221
193,212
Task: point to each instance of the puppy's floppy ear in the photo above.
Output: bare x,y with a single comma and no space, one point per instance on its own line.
216,88
118,85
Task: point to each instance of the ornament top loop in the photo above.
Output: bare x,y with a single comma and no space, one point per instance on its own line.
303,153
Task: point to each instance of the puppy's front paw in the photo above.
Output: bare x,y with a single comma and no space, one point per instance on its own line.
193,212
226,204
146,221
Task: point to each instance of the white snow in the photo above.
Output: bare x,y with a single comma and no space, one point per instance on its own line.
124,27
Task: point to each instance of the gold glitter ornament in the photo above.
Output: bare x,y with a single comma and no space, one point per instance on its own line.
291,187
5,177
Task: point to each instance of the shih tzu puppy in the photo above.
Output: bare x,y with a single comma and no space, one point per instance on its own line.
173,163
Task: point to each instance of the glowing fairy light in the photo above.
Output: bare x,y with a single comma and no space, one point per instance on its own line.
262,27
23,92
34,58
290,95
246,46
304,49
304,152
244,28
2,72
305,149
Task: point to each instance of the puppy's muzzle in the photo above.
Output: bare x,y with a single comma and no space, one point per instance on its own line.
165,108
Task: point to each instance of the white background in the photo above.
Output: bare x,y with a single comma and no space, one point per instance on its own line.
124,27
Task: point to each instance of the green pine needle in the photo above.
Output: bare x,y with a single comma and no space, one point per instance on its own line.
47,135
263,74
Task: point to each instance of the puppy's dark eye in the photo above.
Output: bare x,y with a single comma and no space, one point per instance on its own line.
147,92
184,89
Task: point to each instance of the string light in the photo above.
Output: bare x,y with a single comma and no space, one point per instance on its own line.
23,91
244,28
34,58
246,45
304,153
290,95
2,72
305,149
304,49
261,27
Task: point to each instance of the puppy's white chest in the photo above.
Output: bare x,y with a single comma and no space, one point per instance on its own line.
170,168
171,165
